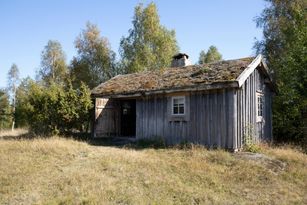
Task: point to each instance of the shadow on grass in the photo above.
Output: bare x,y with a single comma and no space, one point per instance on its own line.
118,142
23,136
128,143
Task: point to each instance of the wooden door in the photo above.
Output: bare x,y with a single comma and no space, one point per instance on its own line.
128,118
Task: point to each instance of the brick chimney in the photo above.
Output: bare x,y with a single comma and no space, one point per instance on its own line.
180,60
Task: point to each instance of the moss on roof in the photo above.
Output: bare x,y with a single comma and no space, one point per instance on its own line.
169,78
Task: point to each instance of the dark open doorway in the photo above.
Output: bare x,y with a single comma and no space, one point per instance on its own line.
128,118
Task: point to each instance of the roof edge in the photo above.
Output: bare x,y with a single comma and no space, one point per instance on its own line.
212,86
249,70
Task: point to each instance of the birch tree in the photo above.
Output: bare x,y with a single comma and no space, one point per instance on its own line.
95,62
212,55
53,67
149,45
13,80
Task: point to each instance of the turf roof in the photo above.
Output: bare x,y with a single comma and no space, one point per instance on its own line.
173,78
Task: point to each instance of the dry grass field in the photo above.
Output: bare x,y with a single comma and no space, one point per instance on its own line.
65,171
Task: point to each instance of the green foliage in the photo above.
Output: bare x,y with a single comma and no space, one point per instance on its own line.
57,109
249,143
22,102
5,111
149,45
95,62
211,56
53,66
284,46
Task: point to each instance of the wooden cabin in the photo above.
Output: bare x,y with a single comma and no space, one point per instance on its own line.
221,104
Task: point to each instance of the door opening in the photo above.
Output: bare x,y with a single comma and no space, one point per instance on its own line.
128,118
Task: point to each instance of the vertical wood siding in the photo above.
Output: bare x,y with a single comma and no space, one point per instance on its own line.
247,110
107,117
210,121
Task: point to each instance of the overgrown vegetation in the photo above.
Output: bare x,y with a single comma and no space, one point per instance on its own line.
249,144
5,111
63,171
55,109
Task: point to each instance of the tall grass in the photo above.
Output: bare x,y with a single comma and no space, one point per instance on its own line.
17,132
65,171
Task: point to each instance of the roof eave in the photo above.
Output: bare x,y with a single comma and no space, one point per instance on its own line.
203,87
250,69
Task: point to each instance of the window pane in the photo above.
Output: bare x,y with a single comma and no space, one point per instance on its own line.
260,105
181,109
175,111
178,105
180,101
175,101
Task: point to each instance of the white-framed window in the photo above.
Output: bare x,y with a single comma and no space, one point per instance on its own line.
260,106
178,105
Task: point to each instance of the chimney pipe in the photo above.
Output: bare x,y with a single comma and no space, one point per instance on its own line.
180,60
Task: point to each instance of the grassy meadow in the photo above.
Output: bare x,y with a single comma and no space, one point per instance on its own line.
65,171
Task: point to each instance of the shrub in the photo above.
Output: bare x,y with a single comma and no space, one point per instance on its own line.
249,142
57,109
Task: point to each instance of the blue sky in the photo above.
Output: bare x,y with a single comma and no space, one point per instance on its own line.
26,26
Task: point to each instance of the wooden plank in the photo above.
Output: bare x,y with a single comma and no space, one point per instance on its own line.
254,103
207,117
230,119
218,118
159,117
223,119
234,122
239,105
249,70
203,122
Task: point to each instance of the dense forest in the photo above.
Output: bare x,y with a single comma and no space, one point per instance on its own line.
58,100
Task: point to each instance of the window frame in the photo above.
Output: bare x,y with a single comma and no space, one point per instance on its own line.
259,118
184,105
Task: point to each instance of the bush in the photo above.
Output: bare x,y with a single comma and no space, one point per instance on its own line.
56,109
249,142
5,111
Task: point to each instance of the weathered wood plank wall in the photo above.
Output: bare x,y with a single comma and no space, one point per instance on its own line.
107,117
247,110
210,121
